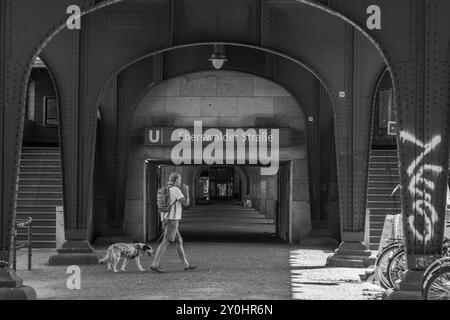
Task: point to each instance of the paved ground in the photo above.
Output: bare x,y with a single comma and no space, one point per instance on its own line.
264,268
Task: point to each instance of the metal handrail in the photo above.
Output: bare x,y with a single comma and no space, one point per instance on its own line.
29,243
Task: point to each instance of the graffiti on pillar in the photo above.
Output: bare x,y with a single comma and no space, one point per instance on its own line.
420,188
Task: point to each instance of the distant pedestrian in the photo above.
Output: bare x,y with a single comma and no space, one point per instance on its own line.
179,195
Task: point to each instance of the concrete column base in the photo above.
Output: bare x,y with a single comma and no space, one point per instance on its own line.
409,288
12,288
74,252
350,255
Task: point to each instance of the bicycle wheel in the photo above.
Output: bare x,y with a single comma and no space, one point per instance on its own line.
382,262
438,287
396,267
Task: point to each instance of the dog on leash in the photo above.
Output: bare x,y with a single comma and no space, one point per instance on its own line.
128,251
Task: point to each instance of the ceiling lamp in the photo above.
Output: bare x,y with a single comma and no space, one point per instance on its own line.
218,57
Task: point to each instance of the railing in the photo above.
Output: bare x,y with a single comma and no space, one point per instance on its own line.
23,224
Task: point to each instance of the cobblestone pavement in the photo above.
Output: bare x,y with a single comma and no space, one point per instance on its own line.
225,271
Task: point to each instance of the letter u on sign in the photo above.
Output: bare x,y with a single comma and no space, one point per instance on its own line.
154,136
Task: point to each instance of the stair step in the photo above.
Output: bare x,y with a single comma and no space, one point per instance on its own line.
40,189
40,157
380,191
383,174
40,181
37,237
384,183
39,149
43,194
376,233
43,223
374,239
384,171
383,165
383,152
40,169
382,198
40,163
38,229
388,157
376,224
36,209
39,202
40,176
383,205
382,213
44,216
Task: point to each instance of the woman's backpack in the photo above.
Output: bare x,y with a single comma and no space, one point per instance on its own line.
163,200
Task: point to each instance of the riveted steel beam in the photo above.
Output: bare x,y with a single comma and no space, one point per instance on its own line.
423,116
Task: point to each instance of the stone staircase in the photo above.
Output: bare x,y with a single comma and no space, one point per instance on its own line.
384,176
39,193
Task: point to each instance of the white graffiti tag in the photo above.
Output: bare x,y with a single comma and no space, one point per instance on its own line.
419,187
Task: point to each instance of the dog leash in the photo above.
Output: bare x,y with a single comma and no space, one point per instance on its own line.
160,237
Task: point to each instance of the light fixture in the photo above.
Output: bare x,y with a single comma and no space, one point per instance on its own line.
218,57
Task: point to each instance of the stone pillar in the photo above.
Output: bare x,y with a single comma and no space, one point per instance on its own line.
352,126
423,139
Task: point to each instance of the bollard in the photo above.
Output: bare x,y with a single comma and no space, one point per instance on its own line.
30,243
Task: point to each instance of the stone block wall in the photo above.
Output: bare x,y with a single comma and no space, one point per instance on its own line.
221,99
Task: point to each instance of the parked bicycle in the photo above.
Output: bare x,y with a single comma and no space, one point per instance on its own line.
397,266
436,279
393,246
391,264
382,262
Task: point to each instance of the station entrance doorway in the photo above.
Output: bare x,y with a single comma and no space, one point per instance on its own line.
227,203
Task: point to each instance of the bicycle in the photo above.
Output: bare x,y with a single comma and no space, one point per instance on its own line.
436,278
397,266
383,259
386,254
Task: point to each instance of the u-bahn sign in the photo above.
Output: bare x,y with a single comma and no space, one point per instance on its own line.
198,145
162,136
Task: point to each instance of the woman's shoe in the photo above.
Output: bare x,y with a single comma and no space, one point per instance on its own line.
190,268
157,269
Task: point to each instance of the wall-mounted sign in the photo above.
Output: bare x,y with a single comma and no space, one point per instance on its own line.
164,136
210,146
50,111
392,128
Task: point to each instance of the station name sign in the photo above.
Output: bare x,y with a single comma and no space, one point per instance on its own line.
198,145
167,136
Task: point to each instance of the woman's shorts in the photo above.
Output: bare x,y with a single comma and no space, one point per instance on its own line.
171,232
